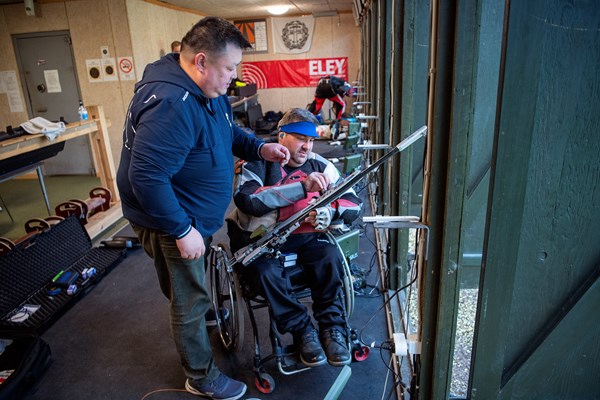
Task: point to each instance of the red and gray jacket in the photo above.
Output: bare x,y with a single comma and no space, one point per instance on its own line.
267,193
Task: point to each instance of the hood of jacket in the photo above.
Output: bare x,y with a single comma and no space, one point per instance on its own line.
168,70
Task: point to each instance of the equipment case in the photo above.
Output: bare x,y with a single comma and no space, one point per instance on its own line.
24,356
26,273
30,300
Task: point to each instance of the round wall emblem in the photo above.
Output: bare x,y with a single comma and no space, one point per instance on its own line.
294,35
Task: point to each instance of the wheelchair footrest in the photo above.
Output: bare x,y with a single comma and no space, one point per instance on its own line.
290,364
289,359
289,353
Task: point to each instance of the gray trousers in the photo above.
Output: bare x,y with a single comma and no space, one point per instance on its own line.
183,282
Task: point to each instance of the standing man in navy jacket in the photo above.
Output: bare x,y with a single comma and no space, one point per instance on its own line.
175,180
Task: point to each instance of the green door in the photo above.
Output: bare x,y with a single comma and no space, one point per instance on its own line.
538,329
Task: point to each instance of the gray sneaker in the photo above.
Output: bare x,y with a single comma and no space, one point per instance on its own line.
222,388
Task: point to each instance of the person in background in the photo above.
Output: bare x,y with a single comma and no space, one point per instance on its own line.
175,179
267,192
333,89
175,46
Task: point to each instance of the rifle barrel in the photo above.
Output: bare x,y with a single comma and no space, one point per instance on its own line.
329,196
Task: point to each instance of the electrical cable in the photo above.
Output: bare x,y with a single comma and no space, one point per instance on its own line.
387,375
365,274
163,391
376,286
360,273
387,345
396,292
397,377
368,238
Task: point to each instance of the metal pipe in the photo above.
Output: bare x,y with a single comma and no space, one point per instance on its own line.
386,298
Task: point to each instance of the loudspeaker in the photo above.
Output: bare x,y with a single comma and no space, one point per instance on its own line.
30,8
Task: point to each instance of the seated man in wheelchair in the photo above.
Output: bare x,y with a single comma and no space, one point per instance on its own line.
267,192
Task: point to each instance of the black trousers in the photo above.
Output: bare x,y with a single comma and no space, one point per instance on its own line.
322,263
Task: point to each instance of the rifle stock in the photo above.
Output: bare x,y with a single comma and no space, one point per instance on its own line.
278,234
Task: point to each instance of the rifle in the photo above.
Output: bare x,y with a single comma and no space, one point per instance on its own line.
278,234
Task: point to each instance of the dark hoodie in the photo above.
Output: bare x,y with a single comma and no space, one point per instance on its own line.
330,86
176,167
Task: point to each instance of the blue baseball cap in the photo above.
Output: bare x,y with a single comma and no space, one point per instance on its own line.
301,128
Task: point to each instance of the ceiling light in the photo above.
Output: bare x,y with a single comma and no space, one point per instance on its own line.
277,10
330,13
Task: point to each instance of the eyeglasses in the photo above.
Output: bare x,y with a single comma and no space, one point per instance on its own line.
302,138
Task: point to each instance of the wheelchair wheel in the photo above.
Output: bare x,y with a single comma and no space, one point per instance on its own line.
348,287
265,383
226,294
361,353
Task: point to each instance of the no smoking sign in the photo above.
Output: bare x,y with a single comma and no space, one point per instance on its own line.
126,70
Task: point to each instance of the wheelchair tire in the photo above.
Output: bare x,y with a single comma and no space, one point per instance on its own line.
226,293
361,353
265,383
347,278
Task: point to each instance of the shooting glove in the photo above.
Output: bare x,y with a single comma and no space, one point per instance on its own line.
322,218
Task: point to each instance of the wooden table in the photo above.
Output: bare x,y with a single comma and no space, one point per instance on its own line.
96,130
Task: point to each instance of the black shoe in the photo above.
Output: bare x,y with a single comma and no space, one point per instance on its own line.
336,347
311,352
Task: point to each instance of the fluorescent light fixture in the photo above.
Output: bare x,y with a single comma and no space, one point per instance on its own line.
277,10
330,13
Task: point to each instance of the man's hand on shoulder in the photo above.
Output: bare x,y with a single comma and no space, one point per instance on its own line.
275,152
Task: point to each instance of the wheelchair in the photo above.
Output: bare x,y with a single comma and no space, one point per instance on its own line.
230,290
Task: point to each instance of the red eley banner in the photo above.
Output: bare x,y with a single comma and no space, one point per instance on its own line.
293,73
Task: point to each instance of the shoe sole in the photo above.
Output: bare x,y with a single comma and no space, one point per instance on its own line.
339,363
315,364
193,391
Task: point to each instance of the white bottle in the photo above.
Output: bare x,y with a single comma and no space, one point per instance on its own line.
83,114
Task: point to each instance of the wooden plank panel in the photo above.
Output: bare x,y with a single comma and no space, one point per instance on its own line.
558,242
566,365
27,143
105,166
545,211
100,222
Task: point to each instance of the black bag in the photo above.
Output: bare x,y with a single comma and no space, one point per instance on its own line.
24,357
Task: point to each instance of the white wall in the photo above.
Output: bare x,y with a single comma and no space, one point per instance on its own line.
153,28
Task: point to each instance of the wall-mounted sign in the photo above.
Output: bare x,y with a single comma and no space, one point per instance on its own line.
255,31
126,69
94,69
293,73
10,86
52,81
293,35
109,69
